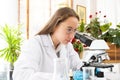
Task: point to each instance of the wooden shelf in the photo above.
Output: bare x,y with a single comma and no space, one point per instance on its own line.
114,53
111,61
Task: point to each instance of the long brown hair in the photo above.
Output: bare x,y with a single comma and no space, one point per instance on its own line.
60,15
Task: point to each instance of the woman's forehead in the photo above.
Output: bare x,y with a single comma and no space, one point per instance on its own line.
71,22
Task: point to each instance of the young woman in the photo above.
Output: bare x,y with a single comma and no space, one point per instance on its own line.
54,40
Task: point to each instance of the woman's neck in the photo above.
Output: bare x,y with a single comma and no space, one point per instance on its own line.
55,41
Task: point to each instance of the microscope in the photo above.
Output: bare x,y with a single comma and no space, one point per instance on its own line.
95,52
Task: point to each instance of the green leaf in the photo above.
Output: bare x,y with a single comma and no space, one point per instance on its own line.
116,40
105,27
12,36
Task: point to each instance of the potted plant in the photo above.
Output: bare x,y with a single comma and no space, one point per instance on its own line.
112,37
12,38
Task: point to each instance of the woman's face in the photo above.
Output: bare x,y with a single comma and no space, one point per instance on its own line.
65,32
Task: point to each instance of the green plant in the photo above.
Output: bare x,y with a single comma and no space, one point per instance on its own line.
81,27
96,27
112,35
12,38
78,47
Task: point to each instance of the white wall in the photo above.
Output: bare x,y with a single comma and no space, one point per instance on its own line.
85,3
8,12
79,2
110,8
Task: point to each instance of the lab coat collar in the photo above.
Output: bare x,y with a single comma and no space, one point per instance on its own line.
59,46
48,44
46,40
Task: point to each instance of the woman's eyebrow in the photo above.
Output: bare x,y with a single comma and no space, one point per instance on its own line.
71,27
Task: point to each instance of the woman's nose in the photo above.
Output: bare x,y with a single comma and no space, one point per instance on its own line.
72,35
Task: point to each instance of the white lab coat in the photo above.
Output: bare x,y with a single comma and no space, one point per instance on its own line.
36,59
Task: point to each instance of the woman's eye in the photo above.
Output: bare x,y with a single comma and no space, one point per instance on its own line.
70,30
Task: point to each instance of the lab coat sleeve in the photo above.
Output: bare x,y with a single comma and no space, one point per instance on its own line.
75,61
27,65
